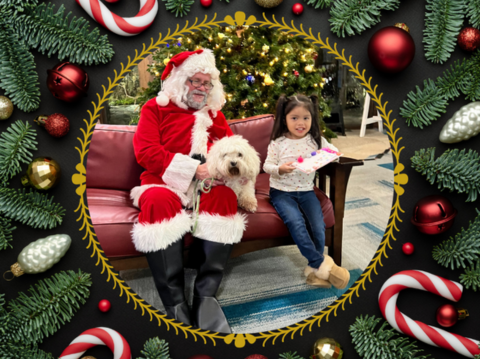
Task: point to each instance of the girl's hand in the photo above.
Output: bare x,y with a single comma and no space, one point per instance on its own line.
286,168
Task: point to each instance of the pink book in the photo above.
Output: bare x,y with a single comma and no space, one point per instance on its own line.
323,156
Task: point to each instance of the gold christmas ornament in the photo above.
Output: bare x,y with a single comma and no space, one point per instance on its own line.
268,3
6,108
221,35
265,48
327,348
40,255
43,173
166,61
157,74
268,80
308,69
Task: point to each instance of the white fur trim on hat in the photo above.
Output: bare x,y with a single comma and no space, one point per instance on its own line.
221,229
149,237
162,99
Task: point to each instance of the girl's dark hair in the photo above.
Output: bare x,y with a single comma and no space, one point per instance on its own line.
286,104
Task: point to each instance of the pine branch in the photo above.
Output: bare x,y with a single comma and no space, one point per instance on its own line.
178,7
471,278
18,76
352,16
322,4
453,170
473,12
16,144
385,343
454,80
18,5
53,302
5,233
53,33
472,83
155,348
33,209
424,106
19,351
443,22
465,247
290,355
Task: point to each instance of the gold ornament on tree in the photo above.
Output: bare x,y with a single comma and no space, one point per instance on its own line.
6,108
308,69
327,348
268,80
265,48
268,3
43,173
41,255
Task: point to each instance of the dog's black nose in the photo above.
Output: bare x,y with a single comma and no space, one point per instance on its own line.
233,163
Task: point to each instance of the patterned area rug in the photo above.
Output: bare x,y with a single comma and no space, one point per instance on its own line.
266,290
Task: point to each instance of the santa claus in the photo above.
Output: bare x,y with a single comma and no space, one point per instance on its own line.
174,134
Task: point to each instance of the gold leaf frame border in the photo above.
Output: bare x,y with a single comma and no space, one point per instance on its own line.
239,340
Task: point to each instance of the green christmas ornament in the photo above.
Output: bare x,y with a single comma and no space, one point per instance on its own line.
6,108
40,255
43,173
268,3
327,348
464,124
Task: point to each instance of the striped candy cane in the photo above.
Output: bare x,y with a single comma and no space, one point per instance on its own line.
124,26
431,335
98,336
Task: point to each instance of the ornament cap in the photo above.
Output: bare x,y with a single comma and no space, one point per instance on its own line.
402,26
25,181
15,269
40,120
462,313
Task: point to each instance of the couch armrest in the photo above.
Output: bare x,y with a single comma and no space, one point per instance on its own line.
336,188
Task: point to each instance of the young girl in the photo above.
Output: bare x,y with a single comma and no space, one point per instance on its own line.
296,133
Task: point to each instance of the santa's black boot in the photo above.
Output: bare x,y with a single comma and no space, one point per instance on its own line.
206,312
166,266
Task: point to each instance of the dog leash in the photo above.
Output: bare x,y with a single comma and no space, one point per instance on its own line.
196,198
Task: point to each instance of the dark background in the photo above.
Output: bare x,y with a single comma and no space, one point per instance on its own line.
137,328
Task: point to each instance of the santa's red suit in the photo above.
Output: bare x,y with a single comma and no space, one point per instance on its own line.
166,138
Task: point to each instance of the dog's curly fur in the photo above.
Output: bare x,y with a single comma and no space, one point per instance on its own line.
236,162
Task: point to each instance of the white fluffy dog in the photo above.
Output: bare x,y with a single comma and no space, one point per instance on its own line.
235,161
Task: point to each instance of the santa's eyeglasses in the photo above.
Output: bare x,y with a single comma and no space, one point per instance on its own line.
197,84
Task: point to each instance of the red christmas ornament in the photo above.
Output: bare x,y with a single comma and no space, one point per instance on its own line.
57,125
206,3
433,214
315,56
297,8
67,82
408,248
201,356
296,73
447,315
256,356
391,49
469,39
104,305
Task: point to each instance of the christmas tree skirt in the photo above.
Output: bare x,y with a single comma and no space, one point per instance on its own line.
266,290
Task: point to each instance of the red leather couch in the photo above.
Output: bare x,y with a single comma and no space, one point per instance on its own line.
112,171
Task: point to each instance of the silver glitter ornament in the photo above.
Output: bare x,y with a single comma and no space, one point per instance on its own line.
464,124
41,255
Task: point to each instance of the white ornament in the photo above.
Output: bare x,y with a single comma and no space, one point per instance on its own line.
464,124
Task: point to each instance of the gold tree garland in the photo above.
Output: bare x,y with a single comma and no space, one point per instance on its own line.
239,340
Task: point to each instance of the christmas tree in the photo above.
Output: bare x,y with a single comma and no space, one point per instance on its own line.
26,25
256,64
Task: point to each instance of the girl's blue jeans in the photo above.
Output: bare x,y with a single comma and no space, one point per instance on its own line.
302,214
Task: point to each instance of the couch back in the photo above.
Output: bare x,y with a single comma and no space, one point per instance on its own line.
111,161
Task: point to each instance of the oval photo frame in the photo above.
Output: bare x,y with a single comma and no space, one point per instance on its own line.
238,340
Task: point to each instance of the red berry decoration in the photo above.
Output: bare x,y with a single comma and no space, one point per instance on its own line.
256,356
391,49
296,73
57,125
67,82
297,8
433,214
448,315
104,305
206,3
408,248
469,39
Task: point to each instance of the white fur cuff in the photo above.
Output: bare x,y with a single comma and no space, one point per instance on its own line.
221,229
149,237
179,174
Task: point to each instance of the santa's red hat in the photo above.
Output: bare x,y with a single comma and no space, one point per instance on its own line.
180,68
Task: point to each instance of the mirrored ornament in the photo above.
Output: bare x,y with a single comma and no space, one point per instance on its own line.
327,348
43,173
40,255
250,79
464,124
6,108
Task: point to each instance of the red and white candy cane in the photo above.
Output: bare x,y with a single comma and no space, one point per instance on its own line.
98,336
124,26
431,335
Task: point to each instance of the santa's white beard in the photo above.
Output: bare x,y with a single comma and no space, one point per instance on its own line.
195,104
